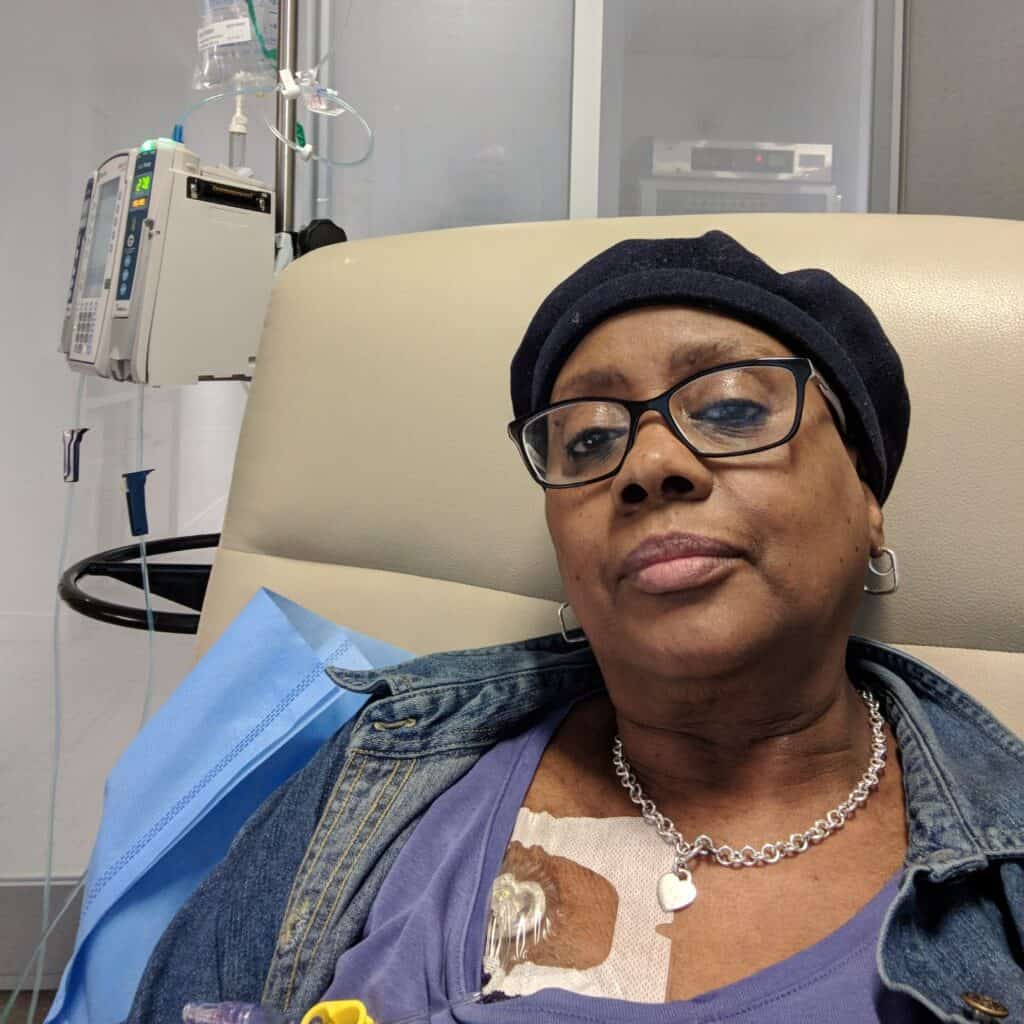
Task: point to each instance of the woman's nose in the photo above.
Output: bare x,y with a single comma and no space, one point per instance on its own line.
659,467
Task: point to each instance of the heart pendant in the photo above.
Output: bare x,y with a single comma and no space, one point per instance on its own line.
676,891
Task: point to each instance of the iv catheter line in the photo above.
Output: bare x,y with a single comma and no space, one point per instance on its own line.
334,163
264,91
260,91
57,711
39,950
150,631
319,66
39,954
249,90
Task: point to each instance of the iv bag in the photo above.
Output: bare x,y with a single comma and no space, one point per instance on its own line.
237,44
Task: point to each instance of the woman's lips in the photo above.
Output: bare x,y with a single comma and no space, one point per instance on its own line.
677,561
679,574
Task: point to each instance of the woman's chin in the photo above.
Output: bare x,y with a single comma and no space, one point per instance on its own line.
686,638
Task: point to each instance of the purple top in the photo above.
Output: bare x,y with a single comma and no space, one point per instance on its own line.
421,952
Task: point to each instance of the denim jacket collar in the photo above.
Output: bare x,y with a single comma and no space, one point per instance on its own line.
957,819
963,771
465,700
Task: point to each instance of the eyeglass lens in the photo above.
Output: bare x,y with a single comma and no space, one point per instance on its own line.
727,412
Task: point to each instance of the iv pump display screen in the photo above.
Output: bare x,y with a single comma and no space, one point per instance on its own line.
100,239
142,183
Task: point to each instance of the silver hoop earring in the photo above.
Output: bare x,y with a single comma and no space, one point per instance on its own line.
890,574
579,638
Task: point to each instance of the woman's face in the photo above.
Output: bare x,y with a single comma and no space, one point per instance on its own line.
791,528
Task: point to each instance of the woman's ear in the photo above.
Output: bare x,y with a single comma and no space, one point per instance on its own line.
876,520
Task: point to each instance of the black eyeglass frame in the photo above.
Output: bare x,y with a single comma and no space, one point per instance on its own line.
802,369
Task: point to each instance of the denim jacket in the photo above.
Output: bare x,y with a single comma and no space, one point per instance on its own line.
294,891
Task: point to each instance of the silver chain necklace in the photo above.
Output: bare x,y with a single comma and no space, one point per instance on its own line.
676,889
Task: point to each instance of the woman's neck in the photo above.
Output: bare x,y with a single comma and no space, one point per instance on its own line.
765,749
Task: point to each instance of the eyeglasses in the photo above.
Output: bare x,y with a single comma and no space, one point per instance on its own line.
734,409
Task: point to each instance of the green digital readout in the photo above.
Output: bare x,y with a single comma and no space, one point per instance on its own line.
142,182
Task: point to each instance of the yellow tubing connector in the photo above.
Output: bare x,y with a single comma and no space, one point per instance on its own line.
338,1011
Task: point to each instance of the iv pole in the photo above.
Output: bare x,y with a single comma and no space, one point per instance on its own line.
284,169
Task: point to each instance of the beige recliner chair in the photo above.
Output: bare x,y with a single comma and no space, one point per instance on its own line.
375,484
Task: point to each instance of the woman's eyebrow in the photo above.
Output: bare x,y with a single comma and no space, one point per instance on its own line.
712,350
601,380
592,382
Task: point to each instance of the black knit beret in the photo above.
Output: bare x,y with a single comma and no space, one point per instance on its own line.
809,311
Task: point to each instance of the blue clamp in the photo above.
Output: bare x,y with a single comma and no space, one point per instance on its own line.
135,488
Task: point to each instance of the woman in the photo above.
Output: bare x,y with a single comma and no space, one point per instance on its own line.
542,831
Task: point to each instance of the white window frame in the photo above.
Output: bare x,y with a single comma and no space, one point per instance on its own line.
585,124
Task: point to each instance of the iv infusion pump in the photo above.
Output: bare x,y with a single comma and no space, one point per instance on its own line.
173,266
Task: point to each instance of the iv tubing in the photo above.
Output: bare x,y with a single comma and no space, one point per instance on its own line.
249,90
263,91
334,163
55,753
39,954
57,918
150,632
57,710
